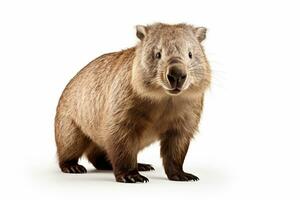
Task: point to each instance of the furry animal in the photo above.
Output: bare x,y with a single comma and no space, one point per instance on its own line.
122,102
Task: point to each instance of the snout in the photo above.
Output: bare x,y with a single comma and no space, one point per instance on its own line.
176,77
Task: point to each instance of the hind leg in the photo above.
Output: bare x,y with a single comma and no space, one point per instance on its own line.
71,144
98,157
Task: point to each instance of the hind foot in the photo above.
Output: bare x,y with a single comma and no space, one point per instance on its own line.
101,164
144,167
72,168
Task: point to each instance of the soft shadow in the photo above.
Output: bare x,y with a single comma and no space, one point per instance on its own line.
51,175
96,171
207,175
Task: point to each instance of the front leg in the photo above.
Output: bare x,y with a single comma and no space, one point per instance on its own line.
123,156
174,146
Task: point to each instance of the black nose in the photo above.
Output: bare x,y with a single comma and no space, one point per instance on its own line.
176,77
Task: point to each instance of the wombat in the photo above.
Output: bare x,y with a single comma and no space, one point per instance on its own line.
122,102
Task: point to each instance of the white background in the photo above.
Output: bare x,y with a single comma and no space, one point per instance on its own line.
248,142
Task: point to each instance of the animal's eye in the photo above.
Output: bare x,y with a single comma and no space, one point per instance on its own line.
190,55
158,55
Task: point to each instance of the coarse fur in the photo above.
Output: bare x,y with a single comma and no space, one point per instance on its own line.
122,102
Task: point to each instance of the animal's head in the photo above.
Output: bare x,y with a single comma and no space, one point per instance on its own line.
170,60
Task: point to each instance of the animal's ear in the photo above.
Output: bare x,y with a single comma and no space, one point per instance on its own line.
141,31
200,33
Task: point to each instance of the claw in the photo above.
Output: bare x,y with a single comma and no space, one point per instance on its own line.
182,176
132,178
144,167
74,169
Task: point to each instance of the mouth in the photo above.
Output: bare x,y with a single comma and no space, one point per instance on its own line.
174,91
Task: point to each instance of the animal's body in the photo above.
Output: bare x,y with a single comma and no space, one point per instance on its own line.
122,102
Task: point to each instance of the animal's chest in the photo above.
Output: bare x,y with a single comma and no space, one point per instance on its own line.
155,119
152,130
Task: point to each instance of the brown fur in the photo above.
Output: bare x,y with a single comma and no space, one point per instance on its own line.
120,103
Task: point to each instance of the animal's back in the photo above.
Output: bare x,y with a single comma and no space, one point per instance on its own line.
87,96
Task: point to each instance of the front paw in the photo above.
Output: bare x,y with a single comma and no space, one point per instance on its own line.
131,177
182,176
